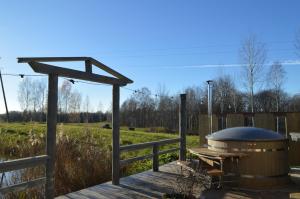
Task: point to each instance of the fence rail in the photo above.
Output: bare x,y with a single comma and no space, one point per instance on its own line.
23,185
155,151
23,163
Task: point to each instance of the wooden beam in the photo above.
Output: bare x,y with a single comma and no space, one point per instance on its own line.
182,127
168,151
51,134
130,160
88,66
110,71
134,147
22,186
70,73
22,163
116,135
50,59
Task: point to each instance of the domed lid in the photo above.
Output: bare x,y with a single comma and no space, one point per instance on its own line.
245,134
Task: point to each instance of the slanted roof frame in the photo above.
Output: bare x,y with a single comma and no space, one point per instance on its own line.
37,66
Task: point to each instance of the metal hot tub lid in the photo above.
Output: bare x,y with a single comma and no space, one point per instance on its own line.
245,134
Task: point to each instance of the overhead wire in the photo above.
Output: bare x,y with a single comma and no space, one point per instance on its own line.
78,81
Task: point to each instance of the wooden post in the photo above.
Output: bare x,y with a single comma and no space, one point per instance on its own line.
3,92
88,66
51,134
286,127
182,127
116,135
155,159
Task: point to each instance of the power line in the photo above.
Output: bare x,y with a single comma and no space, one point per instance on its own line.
23,75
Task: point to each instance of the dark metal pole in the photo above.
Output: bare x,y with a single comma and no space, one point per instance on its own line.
182,127
209,104
7,114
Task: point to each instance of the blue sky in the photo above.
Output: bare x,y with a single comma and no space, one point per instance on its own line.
152,42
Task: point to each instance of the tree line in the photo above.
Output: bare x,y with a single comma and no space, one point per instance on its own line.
32,97
262,92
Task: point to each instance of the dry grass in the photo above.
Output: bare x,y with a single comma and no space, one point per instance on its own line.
79,163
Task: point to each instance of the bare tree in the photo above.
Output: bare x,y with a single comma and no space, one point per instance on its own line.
38,88
253,55
75,102
25,94
276,79
42,92
74,106
86,106
65,92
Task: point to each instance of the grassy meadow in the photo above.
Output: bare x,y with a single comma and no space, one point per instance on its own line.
83,151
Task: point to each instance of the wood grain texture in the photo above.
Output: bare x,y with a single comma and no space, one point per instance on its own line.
51,134
133,147
147,184
91,61
23,186
22,163
76,74
116,135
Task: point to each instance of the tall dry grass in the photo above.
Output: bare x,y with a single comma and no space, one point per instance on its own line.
80,162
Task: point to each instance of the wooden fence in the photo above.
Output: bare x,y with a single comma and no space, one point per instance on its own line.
155,151
23,163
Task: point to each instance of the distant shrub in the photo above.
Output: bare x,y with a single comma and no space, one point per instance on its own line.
106,126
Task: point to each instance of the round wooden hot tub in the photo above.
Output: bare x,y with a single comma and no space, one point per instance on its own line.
266,161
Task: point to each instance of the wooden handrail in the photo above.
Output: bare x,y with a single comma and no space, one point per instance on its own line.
139,146
22,163
168,151
130,160
23,185
155,151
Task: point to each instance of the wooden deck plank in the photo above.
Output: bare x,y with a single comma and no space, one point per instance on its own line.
146,185
149,185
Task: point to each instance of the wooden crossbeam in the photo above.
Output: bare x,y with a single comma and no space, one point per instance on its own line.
50,59
22,163
109,70
89,61
70,73
22,186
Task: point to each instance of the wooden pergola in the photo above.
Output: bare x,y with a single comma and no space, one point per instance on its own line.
116,80
53,72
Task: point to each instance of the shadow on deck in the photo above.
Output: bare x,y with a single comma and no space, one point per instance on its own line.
151,184
147,184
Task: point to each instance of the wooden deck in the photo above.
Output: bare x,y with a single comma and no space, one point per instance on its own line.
151,184
147,184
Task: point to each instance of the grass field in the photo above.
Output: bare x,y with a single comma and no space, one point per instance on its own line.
15,135
83,151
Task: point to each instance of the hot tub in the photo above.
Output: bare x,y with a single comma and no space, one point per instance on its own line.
266,163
